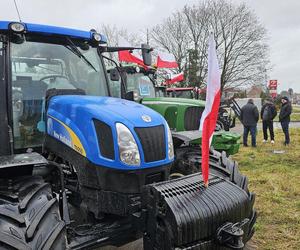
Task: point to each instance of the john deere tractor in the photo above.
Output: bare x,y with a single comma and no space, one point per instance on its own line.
80,169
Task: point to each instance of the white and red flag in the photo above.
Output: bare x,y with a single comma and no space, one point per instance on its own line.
166,60
210,114
175,78
128,56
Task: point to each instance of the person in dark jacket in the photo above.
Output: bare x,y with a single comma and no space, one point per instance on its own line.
284,118
267,114
249,118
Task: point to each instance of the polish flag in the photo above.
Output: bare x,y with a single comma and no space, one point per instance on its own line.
175,78
210,113
127,56
166,60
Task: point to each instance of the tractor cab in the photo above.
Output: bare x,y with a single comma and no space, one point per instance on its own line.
138,80
36,63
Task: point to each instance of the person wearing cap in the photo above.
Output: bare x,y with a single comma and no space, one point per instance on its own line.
284,118
249,118
267,114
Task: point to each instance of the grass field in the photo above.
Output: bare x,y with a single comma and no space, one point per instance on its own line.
296,108
275,178
295,117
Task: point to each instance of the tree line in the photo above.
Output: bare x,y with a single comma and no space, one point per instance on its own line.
241,42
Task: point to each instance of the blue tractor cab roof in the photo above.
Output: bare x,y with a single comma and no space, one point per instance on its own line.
53,30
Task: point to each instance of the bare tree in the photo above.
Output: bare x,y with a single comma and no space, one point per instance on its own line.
197,18
171,36
240,40
114,36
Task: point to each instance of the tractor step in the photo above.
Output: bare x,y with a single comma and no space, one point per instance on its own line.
183,214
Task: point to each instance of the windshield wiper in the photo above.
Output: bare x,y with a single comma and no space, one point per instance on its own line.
72,47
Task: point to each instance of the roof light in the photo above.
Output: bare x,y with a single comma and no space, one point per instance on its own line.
97,37
17,27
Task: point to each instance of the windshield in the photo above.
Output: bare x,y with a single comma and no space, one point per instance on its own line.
182,94
38,66
140,83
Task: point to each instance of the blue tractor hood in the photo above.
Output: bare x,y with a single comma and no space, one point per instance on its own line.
71,120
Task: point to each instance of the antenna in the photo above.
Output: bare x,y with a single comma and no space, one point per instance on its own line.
147,36
17,11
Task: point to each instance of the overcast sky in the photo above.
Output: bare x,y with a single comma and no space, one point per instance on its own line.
281,18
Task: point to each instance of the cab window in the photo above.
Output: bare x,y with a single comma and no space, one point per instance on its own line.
37,66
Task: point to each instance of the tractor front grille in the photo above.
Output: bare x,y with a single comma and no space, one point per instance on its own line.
192,118
153,142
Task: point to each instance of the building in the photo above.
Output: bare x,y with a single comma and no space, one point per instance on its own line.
254,92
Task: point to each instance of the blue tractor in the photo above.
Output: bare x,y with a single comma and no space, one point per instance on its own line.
80,169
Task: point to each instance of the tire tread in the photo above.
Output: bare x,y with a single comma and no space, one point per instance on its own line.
32,221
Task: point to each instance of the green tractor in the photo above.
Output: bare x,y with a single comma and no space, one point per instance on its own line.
80,169
182,114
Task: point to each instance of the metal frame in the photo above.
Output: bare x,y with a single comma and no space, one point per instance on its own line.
5,148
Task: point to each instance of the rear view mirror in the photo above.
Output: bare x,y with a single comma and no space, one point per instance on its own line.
132,96
114,75
146,53
129,96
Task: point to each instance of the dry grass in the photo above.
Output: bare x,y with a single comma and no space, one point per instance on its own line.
275,178
295,117
296,108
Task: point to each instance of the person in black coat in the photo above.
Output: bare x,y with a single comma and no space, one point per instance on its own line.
284,118
267,114
249,118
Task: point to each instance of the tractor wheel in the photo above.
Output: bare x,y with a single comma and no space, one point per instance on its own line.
29,216
188,161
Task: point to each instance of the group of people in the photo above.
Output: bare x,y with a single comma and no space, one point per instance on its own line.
250,117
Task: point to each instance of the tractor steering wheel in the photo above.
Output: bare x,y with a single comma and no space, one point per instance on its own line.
53,77
58,85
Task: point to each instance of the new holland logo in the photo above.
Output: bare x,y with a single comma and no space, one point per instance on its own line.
146,118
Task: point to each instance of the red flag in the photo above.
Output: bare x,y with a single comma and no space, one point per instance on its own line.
210,113
127,56
175,78
166,60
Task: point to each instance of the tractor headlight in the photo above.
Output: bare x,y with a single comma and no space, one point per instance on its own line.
128,149
170,144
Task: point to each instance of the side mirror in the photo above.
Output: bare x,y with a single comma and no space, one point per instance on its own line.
146,53
114,75
129,96
132,96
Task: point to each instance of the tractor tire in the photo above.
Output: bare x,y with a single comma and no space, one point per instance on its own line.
188,161
29,216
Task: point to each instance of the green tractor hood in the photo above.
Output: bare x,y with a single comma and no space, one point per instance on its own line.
183,115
